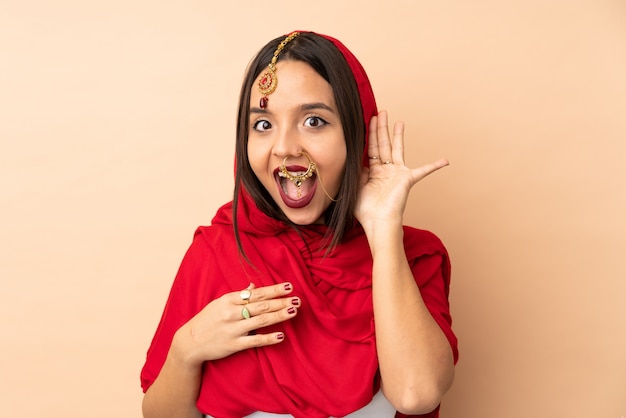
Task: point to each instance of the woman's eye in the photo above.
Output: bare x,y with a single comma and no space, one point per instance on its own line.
314,122
261,126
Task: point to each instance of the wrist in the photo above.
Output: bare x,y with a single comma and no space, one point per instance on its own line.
180,353
384,234
381,222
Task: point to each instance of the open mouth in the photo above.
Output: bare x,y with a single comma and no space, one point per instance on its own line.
296,189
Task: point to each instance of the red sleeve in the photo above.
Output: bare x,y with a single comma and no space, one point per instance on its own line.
430,265
187,297
432,274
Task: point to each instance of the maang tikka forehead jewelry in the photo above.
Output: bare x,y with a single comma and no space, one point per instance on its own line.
268,82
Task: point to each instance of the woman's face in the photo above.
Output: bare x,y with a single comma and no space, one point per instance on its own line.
301,116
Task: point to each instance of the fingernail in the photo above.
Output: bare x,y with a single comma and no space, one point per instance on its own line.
291,310
287,286
295,301
280,336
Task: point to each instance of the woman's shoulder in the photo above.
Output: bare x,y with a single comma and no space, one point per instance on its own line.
421,240
207,232
210,236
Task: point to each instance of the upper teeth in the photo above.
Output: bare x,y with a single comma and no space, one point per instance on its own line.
292,174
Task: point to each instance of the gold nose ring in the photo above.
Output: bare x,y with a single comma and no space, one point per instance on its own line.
298,179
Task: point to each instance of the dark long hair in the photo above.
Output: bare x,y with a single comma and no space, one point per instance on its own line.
322,55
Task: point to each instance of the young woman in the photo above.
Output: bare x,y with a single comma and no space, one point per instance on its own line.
307,297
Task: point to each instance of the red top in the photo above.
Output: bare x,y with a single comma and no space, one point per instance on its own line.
327,365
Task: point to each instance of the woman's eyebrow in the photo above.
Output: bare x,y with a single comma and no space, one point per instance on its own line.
304,107
315,106
258,110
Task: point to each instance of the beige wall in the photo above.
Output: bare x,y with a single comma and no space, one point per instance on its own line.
116,130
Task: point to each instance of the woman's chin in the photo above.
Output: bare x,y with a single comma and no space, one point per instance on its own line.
304,217
312,213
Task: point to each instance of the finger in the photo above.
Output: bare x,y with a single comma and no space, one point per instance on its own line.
427,169
252,293
271,292
397,149
384,143
261,340
272,305
372,142
265,320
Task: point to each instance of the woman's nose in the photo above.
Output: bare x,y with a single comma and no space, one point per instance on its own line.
286,143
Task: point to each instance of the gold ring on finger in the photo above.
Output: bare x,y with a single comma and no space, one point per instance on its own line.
386,162
245,295
245,313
